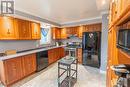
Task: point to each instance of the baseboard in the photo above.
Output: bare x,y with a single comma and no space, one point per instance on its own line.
103,72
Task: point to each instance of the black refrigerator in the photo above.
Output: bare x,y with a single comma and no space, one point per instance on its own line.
91,46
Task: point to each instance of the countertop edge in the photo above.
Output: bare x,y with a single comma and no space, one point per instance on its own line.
27,53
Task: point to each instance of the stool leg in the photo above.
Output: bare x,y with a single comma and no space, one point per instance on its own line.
69,76
58,75
76,68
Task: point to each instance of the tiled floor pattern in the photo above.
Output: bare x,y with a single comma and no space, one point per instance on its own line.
87,77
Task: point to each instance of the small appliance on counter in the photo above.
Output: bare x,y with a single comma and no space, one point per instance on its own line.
123,73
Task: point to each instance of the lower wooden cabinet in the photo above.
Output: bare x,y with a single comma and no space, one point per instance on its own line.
14,69
79,55
29,64
55,54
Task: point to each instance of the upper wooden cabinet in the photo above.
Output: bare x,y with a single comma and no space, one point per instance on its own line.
118,8
56,33
80,31
72,30
24,29
14,28
92,27
7,28
63,33
36,31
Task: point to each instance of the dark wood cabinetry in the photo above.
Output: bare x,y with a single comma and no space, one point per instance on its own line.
55,54
63,33
14,69
23,28
18,29
36,31
29,64
79,55
7,28
119,15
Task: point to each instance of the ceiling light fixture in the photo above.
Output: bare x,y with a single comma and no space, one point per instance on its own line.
103,2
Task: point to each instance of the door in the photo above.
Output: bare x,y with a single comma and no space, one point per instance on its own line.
13,70
24,30
29,64
7,28
36,31
91,49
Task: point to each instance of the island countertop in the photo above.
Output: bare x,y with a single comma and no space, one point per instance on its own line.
22,53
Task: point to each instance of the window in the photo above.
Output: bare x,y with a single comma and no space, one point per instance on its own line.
45,36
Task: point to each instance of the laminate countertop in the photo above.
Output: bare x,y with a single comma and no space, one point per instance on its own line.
26,52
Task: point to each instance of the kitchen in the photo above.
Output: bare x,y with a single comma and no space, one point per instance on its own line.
38,37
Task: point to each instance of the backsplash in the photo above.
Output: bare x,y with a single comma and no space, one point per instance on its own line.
17,45
72,39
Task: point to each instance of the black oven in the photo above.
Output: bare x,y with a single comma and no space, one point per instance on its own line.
42,60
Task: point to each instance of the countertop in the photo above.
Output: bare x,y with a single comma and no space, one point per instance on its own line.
31,51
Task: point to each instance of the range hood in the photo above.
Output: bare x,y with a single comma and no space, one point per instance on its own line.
72,35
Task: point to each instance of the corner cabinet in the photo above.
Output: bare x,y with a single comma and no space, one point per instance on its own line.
12,70
36,31
7,28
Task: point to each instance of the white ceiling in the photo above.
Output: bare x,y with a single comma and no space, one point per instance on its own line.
63,11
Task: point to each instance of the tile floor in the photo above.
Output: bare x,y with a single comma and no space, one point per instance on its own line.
87,77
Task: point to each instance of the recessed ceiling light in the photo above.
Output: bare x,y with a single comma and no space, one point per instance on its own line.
103,2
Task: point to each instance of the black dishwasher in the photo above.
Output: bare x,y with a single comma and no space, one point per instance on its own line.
42,60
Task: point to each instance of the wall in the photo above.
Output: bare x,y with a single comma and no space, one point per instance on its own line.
17,45
104,42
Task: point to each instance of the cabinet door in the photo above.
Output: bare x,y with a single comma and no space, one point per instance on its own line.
13,70
80,31
29,64
79,55
50,56
23,27
63,33
7,28
56,33
36,31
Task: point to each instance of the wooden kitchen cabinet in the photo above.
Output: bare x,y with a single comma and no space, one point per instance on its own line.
79,55
29,64
63,33
56,33
7,28
72,30
24,29
36,31
12,70
80,31
92,27
55,54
